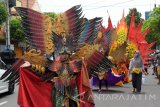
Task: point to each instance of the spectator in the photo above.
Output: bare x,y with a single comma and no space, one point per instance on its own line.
146,69
158,68
154,62
136,67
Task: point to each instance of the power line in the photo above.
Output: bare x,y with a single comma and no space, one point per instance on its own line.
142,5
139,5
87,5
94,3
109,5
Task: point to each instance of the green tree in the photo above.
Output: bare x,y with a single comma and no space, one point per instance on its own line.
52,15
137,16
16,30
153,23
3,13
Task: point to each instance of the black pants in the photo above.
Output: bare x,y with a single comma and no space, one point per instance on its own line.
100,83
137,81
146,70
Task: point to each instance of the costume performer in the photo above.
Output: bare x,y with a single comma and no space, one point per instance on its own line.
62,56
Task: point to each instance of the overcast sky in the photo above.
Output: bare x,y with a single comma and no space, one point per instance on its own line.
99,8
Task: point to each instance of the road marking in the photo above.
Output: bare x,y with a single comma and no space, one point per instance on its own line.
4,102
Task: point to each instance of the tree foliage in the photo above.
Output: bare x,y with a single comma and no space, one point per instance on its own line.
153,23
16,31
137,16
52,15
3,13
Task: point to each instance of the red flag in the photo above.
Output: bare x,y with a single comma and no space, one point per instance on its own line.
85,92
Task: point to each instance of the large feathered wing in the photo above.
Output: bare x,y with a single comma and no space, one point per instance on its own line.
76,29
37,28
95,59
12,74
90,32
38,34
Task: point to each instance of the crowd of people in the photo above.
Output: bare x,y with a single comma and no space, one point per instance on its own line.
156,66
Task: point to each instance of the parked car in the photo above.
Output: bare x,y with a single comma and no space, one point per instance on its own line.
5,86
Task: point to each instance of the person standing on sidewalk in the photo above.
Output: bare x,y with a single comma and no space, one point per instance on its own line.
154,62
136,67
158,68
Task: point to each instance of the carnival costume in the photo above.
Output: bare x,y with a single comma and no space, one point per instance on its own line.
120,44
62,55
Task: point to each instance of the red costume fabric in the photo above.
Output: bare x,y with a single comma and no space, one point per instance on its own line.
110,26
85,92
33,92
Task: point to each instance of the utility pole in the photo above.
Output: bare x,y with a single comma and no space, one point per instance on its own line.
8,55
155,4
8,26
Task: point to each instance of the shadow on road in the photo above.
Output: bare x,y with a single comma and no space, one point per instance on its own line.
137,93
103,91
2,95
152,85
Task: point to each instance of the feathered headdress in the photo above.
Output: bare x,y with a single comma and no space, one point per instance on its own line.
70,34
137,39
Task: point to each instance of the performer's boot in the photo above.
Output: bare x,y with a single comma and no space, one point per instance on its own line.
106,83
134,90
100,84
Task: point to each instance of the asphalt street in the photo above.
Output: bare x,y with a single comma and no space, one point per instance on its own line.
114,97
7,100
123,96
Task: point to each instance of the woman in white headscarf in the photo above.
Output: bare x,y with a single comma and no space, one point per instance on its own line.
136,67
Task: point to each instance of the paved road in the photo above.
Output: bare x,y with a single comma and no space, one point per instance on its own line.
7,100
115,97
123,96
